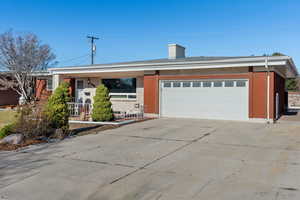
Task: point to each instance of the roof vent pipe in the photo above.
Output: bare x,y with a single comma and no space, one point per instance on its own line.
176,51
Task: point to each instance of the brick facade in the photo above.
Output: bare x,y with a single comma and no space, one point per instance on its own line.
257,90
41,91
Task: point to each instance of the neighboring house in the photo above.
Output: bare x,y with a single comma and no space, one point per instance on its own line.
230,88
8,97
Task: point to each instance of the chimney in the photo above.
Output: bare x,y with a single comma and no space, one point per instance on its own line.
176,51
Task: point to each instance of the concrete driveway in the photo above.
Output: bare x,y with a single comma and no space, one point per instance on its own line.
161,159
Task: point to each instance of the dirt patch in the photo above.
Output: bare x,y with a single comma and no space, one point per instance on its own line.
11,147
86,129
75,130
78,129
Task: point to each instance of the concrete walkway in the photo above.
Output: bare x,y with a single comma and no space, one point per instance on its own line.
290,116
161,159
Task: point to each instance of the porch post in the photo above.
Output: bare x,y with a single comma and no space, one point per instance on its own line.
55,81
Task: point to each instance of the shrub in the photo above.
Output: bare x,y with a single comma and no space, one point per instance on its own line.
102,110
34,121
291,84
31,121
6,130
56,110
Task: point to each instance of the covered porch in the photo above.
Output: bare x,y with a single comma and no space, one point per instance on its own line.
126,92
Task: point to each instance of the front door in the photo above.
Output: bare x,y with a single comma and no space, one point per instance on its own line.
79,94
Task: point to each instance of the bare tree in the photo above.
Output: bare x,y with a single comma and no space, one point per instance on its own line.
21,57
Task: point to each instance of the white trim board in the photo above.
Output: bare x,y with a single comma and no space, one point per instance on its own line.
76,70
233,60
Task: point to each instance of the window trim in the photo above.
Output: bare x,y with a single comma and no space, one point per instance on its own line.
47,85
126,96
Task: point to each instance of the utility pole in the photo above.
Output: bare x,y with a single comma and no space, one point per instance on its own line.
93,47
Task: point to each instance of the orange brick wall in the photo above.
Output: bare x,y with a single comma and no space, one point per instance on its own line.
41,91
257,91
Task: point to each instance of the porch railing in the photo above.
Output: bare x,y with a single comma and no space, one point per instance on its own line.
137,114
84,111
77,109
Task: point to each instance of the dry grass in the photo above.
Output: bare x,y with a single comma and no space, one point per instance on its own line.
6,117
11,147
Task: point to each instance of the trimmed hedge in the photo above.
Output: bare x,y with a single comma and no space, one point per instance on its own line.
56,110
102,110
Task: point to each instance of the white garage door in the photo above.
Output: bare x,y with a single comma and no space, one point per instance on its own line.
206,99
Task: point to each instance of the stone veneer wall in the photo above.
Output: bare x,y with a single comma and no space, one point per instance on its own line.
293,99
131,106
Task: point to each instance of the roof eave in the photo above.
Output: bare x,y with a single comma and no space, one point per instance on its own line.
233,60
167,67
293,67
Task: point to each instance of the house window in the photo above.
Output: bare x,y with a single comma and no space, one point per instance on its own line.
167,84
120,85
186,84
49,84
131,96
196,84
177,84
118,96
79,84
240,83
218,83
206,84
229,83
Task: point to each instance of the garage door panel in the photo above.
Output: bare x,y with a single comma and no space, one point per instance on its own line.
208,103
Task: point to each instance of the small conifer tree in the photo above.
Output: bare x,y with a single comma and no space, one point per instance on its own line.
102,110
56,110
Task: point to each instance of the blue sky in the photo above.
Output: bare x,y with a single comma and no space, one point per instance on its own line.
137,30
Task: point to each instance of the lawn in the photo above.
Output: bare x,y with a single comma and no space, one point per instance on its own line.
6,116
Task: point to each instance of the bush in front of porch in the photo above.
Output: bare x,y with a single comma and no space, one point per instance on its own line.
102,110
56,110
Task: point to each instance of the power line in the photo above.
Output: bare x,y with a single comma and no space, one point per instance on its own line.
71,59
82,61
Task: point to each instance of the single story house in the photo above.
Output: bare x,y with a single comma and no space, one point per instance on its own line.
8,97
228,88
